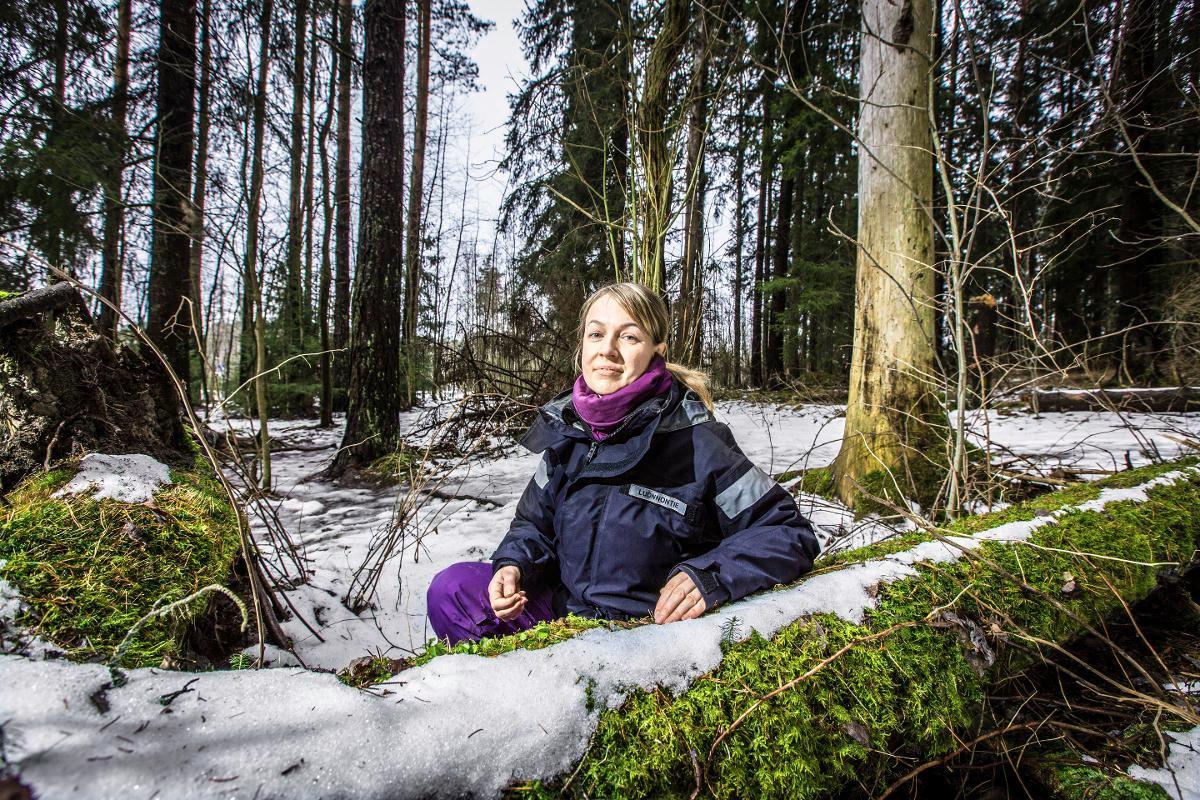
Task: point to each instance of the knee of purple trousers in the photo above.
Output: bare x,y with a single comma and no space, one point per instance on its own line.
459,608
457,602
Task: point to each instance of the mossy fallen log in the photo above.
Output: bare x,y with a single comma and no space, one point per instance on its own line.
88,570
836,707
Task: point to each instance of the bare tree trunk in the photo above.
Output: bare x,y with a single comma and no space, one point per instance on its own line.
761,239
373,418
341,199
309,179
58,192
254,306
112,268
892,404
293,334
196,265
783,240
739,237
654,196
327,218
691,291
412,249
170,255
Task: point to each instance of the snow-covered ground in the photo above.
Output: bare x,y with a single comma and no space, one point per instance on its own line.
334,526
459,725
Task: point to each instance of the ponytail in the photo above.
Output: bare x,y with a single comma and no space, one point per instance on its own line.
693,379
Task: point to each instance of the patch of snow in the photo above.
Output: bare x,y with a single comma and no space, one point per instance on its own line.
1180,776
127,479
459,725
14,638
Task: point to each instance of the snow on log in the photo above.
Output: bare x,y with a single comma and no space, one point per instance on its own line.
884,656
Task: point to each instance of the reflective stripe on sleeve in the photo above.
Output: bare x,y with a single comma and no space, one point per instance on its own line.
542,476
744,492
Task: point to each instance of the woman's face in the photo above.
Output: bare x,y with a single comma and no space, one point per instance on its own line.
616,351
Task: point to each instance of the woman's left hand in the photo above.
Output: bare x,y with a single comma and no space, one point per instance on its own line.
679,599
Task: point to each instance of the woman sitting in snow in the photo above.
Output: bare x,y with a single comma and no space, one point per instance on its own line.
642,503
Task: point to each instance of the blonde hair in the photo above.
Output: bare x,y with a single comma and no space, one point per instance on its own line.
650,313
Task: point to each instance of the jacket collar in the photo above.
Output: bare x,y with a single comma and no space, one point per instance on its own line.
680,408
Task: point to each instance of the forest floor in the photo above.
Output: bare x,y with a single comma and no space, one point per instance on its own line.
459,724
333,526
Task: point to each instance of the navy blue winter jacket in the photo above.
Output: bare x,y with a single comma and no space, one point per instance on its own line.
608,523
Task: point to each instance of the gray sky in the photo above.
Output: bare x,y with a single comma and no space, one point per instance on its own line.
501,68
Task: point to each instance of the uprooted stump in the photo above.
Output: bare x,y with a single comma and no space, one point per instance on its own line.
65,390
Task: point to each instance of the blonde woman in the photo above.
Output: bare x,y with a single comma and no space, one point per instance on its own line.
642,504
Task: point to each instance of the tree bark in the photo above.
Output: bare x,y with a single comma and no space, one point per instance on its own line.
171,240
292,322
254,333
412,249
653,137
341,194
196,266
739,237
891,404
373,419
325,279
688,335
112,269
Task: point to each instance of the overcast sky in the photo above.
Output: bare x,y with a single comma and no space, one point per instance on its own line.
501,68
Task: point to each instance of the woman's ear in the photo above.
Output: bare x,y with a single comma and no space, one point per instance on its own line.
662,349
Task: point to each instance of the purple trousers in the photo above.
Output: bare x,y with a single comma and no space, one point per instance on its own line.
459,608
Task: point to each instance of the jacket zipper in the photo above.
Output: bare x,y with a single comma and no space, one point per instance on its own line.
591,453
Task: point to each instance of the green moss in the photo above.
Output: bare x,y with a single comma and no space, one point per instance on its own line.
818,481
541,635
6,295
1069,779
396,466
910,694
88,570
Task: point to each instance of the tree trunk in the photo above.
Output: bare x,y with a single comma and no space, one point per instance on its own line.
310,156
325,280
253,309
1135,280
783,239
292,312
412,250
766,170
739,237
196,267
112,269
373,420
170,254
688,335
891,404
653,137
341,195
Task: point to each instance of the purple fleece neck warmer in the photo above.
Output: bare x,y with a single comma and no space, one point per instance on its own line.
604,413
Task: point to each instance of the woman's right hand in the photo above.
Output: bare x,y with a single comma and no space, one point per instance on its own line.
505,593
